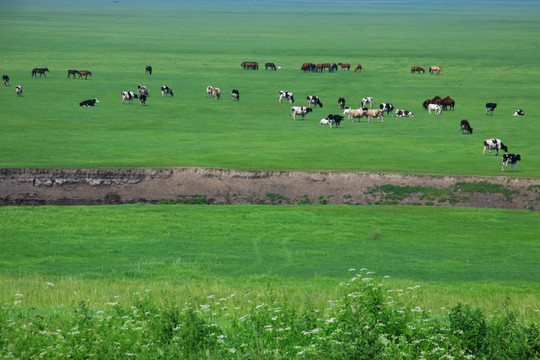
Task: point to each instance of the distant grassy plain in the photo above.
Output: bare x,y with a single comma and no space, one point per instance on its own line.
489,54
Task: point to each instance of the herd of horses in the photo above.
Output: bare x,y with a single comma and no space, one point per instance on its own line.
331,67
445,103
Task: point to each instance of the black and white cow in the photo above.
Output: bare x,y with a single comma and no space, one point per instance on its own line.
494,144
404,113
142,99
5,79
287,95
235,95
466,127
519,112
490,107
300,110
90,102
387,107
341,102
334,119
18,90
367,100
165,90
129,96
313,100
512,159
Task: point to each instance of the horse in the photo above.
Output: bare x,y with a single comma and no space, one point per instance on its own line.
447,102
417,69
345,66
250,65
272,66
308,67
5,79
320,67
332,67
72,72
84,73
435,100
358,67
40,71
435,69
148,70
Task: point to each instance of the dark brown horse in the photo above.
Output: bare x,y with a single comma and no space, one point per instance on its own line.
72,72
40,71
270,65
435,101
446,103
84,73
358,68
250,65
417,69
308,67
148,70
345,66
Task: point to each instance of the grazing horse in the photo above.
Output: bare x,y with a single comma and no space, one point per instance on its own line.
84,73
333,67
250,65
148,70
5,79
272,66
358,68
435,70
308,67
72,72
417,69
345,66
40,71
446,103
435,108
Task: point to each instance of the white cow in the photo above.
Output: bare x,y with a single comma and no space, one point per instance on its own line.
300,110
494,144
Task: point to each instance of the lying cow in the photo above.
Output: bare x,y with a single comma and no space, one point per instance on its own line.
404,113
490,107
494,144
466,127
235,95
287,95
18,90
91,102
519,112
512,159
129,96
165,90
300,110
313,100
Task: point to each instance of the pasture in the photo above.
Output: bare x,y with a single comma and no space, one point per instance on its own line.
488,55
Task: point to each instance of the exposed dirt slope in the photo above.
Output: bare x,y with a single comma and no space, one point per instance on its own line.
119,186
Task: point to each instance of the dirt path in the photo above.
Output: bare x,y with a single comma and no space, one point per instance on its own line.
214,186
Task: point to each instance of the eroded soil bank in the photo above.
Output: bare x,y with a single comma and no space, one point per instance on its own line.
215,186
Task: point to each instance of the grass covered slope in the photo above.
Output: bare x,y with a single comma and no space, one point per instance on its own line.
488,55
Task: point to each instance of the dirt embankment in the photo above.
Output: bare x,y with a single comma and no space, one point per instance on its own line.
214,186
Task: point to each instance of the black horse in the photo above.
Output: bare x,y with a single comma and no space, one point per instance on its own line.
72,72
272,66
40,71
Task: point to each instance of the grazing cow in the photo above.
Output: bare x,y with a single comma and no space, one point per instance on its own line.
354,113
142,90
235,95
371,113
286,94
300,110
18,90
367,100
334,119
91,102
142,99
209,90
313,100
216,93
72,72
417,69
494,144
466,127
387,107
129,96
435,108
270,65
519,112
404,113
148,70
165,90
490,107
358,68
5,79
345,66
512,159
435,70
341,102
84,73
